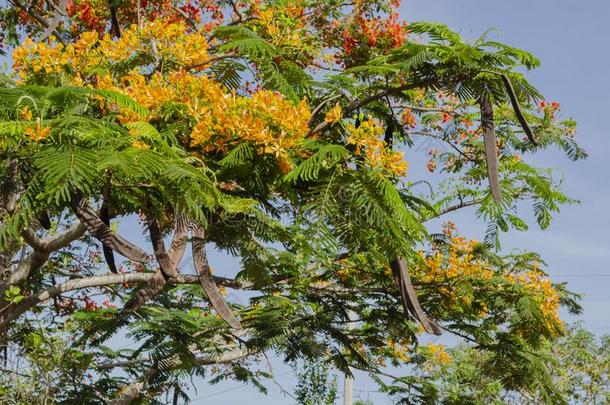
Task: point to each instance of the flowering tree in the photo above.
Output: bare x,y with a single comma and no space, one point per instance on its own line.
275,131
579,369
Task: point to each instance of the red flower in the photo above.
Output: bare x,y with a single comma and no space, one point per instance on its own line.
90,305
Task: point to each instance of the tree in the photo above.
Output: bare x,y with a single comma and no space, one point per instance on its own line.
274,131
315,385
578,364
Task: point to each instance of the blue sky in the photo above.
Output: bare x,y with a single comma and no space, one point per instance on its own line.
570,38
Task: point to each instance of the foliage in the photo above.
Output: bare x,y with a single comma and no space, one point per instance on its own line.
315,385
276,132
577,362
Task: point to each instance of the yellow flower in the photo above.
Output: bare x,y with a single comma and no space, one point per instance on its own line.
484,310
400,349
26,114
396,164
140,145
38,132
438,353
284,163
334,114
221,119
367,139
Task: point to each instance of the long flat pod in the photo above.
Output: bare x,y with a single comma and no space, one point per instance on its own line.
408,296
88,217
178,246
517,108
158,282
156,237
105,217
489,141
108,253
207,280
147,292
11,184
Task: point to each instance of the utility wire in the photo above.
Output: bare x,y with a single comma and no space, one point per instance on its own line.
234,388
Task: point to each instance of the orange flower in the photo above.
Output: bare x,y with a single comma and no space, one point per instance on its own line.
334,114
408,119
396,164
284,163
38,132
438,353
140,145
26,114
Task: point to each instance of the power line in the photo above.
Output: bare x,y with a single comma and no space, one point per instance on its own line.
221,392
235,388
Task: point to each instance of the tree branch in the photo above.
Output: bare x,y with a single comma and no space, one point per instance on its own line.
132,391
13,311
356,104
55,242
426,109
42,248
462,204
200,360
52,25
38,19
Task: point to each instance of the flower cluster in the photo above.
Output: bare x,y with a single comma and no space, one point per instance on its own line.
437,353
459,263
222,119
550,109
546,294
94,15
90,14
285,24
368,143
334,114
275,125
38,57
37,132
167,44
408,119
384,33
400,350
